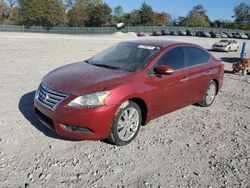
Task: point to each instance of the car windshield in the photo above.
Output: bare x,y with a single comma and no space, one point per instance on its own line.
129,57
224,41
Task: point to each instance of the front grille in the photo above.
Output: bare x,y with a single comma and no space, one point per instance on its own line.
49,98
45,119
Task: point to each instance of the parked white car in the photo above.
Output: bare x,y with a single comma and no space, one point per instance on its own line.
226,45
223,35
239,35
243,36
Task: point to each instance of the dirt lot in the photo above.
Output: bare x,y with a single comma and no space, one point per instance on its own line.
192,147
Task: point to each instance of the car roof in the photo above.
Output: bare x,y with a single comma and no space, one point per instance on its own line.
157,43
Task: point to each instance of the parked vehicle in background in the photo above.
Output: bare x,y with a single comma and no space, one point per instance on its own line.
236,35
226,45
182,33
224,35
112,94
190,33
243,36
239,35
229,35
214,35
199,34
174,33
163,33
156,33
202,34
141,34
120,26
248,34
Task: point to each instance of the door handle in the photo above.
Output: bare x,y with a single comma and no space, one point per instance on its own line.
184,79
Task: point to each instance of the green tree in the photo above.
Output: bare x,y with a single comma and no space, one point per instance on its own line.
78,14
196,20
132,18
4,11
12,4
94,2
99,15
216,23
46,13
146,14
118,11
242,16
160,19
198,9
196,17
241,12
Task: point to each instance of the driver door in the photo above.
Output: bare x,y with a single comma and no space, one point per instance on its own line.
169,92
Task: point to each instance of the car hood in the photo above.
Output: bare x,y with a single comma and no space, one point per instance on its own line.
82,78
221,43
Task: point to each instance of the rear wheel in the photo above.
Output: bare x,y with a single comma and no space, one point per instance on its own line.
126,124
210,94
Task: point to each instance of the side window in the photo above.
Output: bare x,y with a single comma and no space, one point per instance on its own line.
197,56
174,58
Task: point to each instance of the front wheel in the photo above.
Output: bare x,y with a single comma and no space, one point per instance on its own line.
210,94
126,124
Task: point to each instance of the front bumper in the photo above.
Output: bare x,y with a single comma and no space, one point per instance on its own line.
222,49
82,124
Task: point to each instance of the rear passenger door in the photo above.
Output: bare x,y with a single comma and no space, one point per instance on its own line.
199,72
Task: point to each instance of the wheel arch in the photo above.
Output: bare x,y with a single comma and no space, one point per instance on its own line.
143,107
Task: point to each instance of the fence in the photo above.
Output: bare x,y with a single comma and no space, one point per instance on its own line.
106,30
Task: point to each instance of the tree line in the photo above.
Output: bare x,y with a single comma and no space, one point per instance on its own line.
96,13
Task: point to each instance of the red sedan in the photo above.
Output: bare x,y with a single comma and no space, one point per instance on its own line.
112,94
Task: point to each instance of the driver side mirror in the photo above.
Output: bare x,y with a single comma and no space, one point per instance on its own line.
163,70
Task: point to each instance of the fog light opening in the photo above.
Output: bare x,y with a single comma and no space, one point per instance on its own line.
77,129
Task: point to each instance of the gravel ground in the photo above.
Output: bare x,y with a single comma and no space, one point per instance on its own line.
192,147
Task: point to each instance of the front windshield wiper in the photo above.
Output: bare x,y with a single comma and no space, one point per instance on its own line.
106,66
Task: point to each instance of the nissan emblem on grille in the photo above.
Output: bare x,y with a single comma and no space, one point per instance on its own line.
49,98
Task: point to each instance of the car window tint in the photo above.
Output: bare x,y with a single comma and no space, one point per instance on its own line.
174,58
196,56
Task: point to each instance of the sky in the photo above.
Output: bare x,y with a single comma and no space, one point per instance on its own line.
216,9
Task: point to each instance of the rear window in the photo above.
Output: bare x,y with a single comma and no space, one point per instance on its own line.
197,56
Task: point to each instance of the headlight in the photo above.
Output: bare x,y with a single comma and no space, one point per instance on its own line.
92,100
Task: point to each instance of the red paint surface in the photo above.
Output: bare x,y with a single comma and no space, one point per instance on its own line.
161,94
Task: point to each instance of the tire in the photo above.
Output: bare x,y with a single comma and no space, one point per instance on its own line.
210,94
124,128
